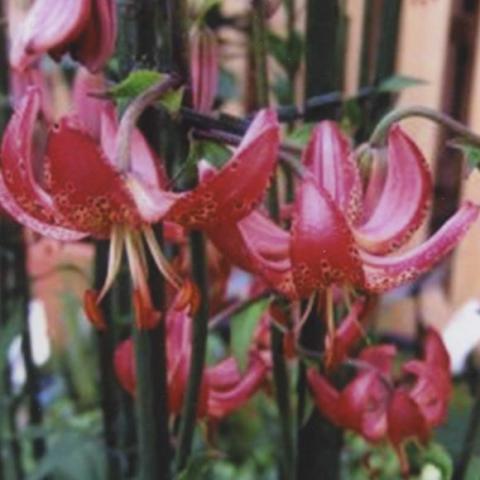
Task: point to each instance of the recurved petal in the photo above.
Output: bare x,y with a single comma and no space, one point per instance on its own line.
233,192
8,203
224,375
328,158
403,204
434,350
21,163
386,272
85,187
322,247
222,401
405,420
96,44
326,396
49,25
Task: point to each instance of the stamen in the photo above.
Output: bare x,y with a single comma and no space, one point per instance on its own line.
188,296
114,259
329,312
162,263
93,311
306,314
146,317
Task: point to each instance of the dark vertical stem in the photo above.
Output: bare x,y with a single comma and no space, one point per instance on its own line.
319,442
468,446
151,394
321,48
178,35
109,390
199,347
259,39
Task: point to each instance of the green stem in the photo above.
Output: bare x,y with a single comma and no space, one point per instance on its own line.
379,135
199,348
259,45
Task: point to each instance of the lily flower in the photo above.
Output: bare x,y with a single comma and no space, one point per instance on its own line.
377,407
73,188
86,29
340,235
224,388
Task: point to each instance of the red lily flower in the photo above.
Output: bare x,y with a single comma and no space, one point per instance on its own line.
224,389
338,236
84,28
334,240
377,408
74,189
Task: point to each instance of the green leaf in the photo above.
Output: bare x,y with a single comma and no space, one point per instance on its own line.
473,472
471,153
139,81
287,52
197,467
136,83
397,83
300,136
242,327
436,456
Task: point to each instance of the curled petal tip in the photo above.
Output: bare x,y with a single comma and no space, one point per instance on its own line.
146,317
188,298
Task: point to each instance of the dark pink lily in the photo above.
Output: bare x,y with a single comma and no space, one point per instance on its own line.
73,188
379,408
224,388
340,235
86,29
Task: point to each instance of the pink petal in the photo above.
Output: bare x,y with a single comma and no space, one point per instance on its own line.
402,206
49,25
222,402
380,357
384,273
124,364
8,203
204,68
328,157
233,193
323,251
326,397
224,375
96,44
18,158
434,350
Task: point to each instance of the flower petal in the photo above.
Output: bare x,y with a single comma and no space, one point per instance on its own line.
385,273
49,25
124,364
222,402
233,192
380,357
322,246
434,351
403,204
18,158
8,203
325,395
328,158
86,189
96,44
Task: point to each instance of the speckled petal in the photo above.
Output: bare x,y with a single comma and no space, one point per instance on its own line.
328,158
322,249
383,273
86,189
235,190
403,204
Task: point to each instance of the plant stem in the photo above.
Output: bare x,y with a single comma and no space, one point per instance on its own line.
199,348
378,137
132,114
468,447
259,45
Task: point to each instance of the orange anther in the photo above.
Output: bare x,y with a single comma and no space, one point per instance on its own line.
92,310
146,317
188,296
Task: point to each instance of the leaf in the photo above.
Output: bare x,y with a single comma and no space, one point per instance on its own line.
287,52
139,81
136,83
436,455
242,327
397,83
471,153
300,136
473,472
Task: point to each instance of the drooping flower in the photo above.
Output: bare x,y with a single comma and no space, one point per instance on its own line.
224,388
73,188
86,29
378,407
341,236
